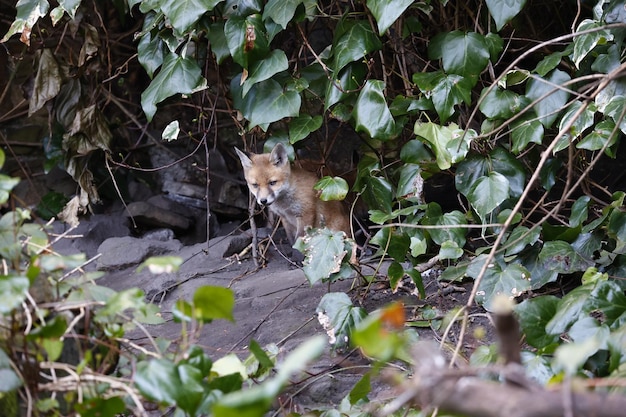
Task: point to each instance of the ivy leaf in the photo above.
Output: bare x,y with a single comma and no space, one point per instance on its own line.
387,12
502,104
350,79
560,256
247,39
524,131
340,317
302,126
218,43
28,13
378,194
603,133
552,98
323,251
511,281
521,237
615,110
503,11
462,53
267,102
333,188
163,381
444,142
583,44
265,69
371,113
13,289
178,75
534,314
488,193
281,11
150,53
356,41
184,13
582,122
445,91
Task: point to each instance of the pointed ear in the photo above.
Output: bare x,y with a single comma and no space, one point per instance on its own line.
279,155
246,162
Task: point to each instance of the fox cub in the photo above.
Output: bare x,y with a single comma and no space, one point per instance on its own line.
288,192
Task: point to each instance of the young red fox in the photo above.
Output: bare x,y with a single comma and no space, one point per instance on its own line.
288,192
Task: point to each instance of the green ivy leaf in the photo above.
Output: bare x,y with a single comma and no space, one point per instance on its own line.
302,126
552,99
341,317
444,142
560,256
333,188
247,39
264,69
488,193
184,13
165,382
178,75
378,194
534,314
510,280
502,104
212,302
371,114
503,11
387,12
410,183
281,11
445,91
603,133
524,131
217,41
349,80
150,53
462,53
569,310
521,237
582,122
267,102
355,41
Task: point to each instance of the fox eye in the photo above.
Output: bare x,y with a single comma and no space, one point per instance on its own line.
255,185
272,183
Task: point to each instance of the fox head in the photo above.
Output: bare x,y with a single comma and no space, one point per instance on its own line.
267,174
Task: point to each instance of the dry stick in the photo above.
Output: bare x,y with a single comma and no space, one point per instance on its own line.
544,157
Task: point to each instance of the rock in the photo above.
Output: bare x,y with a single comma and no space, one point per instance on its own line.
152,215
123,252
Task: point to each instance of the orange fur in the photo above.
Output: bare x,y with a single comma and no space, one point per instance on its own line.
288,192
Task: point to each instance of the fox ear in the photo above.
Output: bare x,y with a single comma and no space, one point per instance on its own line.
279,155
246,162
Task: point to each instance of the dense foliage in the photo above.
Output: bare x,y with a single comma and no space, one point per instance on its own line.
518,106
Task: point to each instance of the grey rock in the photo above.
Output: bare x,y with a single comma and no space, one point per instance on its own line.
123,252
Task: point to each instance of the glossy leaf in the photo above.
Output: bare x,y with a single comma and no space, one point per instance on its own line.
449,144
302,126
579,125
520,238
217,42
410,183
183,14
503,11
371,114
387,12
488,193
332,188
264,69
502,104
13,291
525,131
178,75
552,99
445,91
355,42
534,314
608,297
561,257
350,79
281,11
211,303
603,134
267,102
247,39
462,53
150,53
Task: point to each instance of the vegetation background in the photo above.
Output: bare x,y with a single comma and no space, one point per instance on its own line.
515,107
